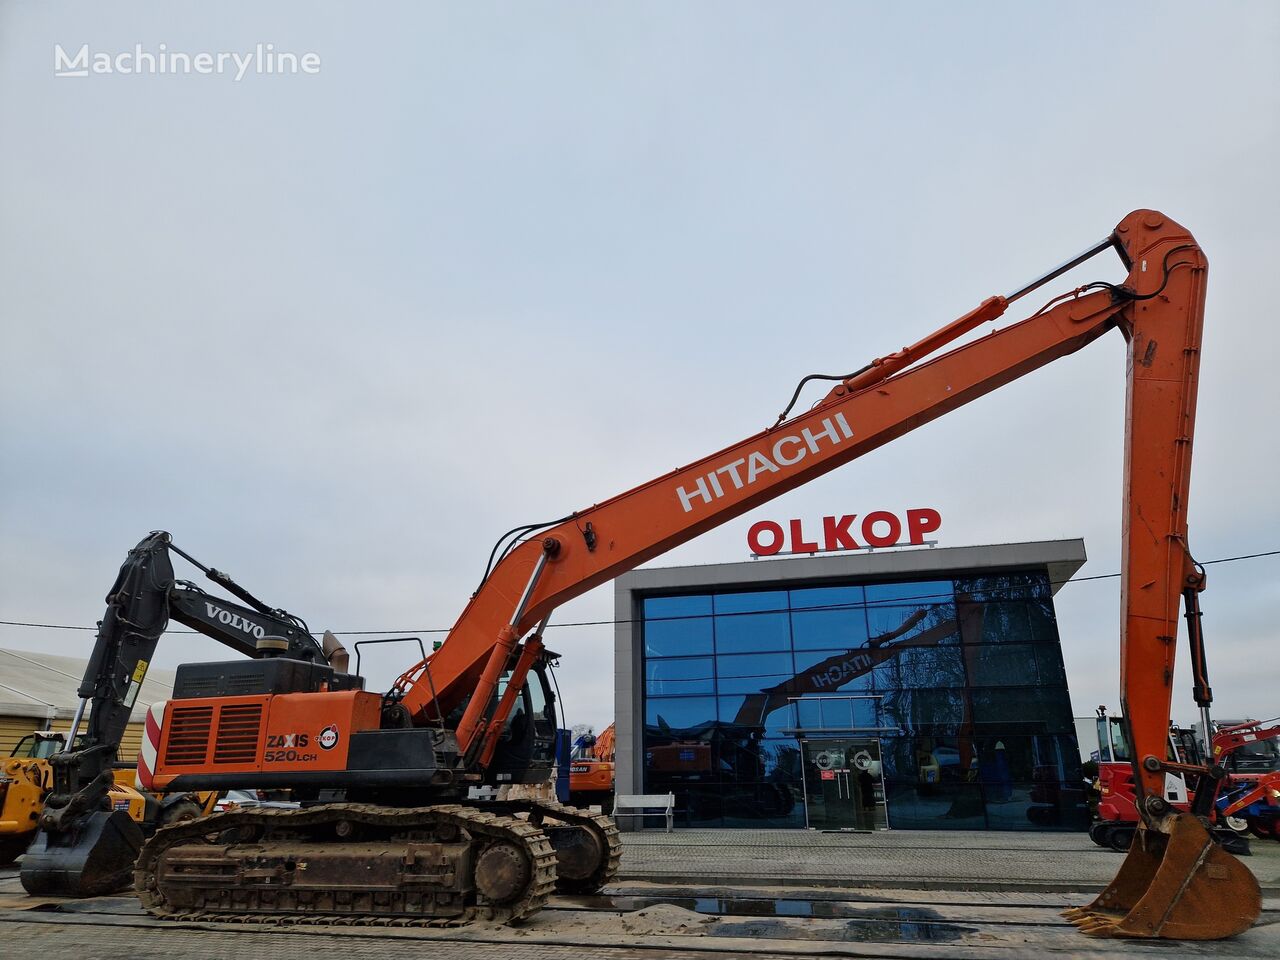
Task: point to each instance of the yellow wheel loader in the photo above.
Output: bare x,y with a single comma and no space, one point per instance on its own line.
26,779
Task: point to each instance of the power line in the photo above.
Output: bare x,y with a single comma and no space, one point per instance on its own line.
871,605
44,626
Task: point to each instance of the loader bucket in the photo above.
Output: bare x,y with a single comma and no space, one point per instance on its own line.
1175,884
93,859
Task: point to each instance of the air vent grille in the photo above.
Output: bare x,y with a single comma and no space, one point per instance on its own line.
242,683
189,729
201,687
238,727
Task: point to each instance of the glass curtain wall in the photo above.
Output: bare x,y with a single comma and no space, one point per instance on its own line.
968,699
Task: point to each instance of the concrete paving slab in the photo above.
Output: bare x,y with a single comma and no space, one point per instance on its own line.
930,860
735,914
565,932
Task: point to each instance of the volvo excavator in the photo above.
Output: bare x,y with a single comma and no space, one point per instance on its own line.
87,842
390,829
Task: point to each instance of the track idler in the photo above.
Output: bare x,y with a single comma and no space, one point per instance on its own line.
588,848
1175,884
92,859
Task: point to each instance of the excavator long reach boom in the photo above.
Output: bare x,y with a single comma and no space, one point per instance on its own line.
1175,883
391,829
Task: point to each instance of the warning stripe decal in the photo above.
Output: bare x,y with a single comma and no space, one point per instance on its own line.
150,744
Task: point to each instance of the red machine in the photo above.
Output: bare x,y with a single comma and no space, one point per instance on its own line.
1118,816
1231,794
1255,801
390,830
1250,800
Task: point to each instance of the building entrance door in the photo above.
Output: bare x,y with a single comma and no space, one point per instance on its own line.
842,785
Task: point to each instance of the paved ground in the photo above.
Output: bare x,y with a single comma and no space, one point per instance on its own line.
934,859
727,893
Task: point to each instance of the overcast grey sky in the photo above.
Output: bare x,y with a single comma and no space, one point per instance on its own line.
495,262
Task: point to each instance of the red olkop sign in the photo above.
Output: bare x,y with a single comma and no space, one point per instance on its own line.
880,528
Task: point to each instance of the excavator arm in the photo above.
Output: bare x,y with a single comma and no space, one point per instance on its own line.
83,847
1158,309
144,597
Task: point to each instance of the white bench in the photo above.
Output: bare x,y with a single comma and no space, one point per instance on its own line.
646,805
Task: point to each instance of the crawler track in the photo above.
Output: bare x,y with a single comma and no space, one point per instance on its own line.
396,867
599,825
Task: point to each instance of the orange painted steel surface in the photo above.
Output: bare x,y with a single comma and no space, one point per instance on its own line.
604,745
1163,335
594,774
229,735
591,776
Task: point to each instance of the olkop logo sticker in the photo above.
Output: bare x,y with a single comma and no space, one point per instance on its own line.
328,738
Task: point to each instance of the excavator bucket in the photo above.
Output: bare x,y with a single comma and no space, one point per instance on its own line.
1175,884
93,859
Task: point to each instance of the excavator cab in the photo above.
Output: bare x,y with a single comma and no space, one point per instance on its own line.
526,748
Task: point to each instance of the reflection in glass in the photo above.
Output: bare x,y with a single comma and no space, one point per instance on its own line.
916,593
1006,586
925,625
754,665
823,672
972,735
934,712
755,685
922,667
677,626
837,714
769,800
679,677
1044,627
679,713
758,673
829,629
1024,709
781,759
832,598
1009,664
747,622
758,712
1006,622
774,803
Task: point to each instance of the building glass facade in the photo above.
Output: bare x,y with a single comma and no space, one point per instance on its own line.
955,688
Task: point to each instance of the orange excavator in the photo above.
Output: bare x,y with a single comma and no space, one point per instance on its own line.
591,769
390,829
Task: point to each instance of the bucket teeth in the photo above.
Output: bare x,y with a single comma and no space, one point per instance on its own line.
1100,927
1093,923
1175,884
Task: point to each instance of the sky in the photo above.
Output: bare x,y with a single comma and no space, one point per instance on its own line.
494,262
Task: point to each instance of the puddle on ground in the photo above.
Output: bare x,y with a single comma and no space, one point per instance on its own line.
881,924
861,931
117,905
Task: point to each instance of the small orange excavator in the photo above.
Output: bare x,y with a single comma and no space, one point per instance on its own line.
591,769
390,831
